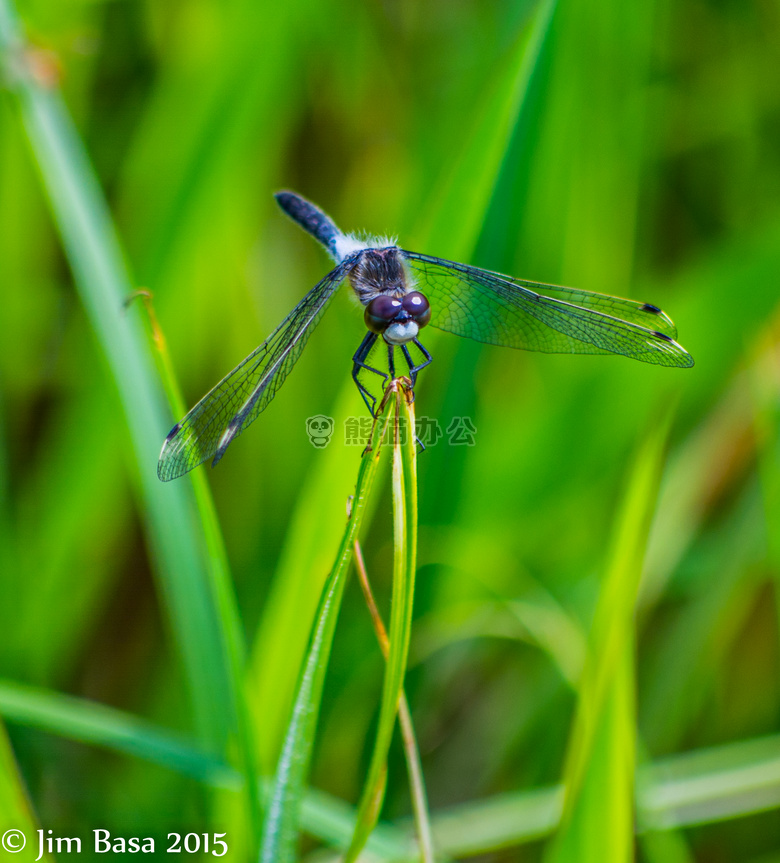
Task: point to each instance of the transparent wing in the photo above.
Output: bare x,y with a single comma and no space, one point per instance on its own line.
240,397
500,310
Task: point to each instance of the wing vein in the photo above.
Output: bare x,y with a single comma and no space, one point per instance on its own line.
242,395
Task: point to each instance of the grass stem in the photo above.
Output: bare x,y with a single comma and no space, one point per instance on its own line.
411,750
404,485
220,583
283,813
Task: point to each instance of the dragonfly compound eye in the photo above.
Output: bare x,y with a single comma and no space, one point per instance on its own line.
418,307
380,312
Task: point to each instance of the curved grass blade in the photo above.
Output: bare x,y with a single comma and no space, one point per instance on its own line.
95,724
221,582
454,219
311,545
16,815
598,815
422,818
281,823
404,567
692,788
192,584
98,725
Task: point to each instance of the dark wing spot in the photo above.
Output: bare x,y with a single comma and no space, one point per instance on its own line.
173,431
663,336
649,307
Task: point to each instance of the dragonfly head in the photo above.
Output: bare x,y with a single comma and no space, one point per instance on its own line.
398,320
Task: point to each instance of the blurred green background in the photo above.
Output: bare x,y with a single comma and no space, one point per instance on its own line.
631,149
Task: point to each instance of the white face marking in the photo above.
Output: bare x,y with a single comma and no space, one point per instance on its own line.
401,332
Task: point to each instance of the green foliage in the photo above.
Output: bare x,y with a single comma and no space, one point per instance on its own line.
625,148
598,815
281,824
16,815
404,569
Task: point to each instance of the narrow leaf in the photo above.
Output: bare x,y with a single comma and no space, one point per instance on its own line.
113,730
17,821
467,186
281,823
698,787
404,567
422,817
598,816
82,217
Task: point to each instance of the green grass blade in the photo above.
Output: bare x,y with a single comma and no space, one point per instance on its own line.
220,582
468,183
694,788
98,725
710,785
310,546
698,787
196,578
404,568
16,814
114,730
598,816
101,276
499,822
417,791
281,823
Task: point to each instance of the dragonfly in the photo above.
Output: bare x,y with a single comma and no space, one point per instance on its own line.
401,293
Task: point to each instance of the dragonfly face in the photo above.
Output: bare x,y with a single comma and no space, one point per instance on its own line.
398,319
402,292
393,309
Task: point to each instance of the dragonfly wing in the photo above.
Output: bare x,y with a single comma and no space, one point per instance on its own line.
500,310
240,397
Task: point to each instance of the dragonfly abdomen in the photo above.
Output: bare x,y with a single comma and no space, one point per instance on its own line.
312,219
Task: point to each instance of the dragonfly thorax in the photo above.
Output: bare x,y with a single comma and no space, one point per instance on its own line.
379,272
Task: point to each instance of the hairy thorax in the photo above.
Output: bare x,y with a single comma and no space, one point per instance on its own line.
380,271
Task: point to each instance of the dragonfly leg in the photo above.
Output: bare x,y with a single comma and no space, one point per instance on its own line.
413,369
358,364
